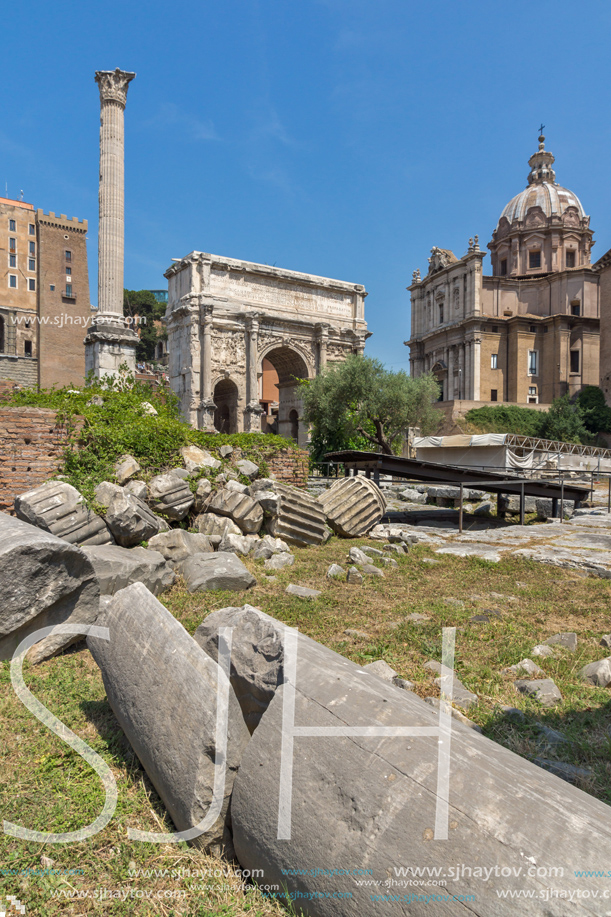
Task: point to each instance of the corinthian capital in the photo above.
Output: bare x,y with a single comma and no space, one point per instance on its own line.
113,85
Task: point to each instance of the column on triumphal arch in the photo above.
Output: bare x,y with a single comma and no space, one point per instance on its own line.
207,406
322,339
252,418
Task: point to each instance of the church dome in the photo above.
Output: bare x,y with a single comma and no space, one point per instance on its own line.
542,191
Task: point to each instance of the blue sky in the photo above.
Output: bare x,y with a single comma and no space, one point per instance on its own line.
339,137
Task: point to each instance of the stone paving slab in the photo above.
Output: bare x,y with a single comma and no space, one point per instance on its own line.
597,562
486,551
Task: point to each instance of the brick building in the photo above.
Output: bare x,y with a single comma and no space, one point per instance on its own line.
44,296
530,332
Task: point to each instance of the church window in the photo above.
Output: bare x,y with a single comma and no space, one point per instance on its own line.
575,309
27,348
570,259
534,259
504,267
574,361
441,314
532,362
532,329
494,361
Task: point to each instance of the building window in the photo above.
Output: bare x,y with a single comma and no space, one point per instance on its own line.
12,281
52,287
532,394
27,348
31,283
68,256
494,361
504,267
12,260
27,324
575,309
441,314
68,289
532,362
495,329
32,248
532,329
570,259
574,361
534,259
68,270
32,229
31,264
494,394
12,244
11,226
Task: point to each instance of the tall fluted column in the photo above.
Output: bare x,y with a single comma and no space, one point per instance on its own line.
110,343
207,406
253,408
322,338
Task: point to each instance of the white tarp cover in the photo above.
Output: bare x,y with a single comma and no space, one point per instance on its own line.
460,440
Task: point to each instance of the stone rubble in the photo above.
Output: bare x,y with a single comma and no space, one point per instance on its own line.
170,496
353,506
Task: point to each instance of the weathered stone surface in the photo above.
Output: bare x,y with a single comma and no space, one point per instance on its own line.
138,489
569,772
44,581
204,489
341,811
299,519
126,468
595,562
510,503
411,496
235,485
484,509
485,551
105,491
130,520
216,526
357,556
181,473
248,469
371,570
223,570
163,688
383,670
461,696
453,603
335,572
356,634
353,506
268,500
302,592
606,640
525,667
354,576
395,548
268,546
279,561
177,544
226,451
541,650
568,641
237,544
244,511
436,703
117,567
148,408
195,459
544,691
57,507
170,496
597,673
550,736
372,552
416,618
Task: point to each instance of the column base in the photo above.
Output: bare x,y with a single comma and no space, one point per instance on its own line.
205,416
252,417
108,347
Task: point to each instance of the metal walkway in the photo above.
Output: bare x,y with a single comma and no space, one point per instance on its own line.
376,464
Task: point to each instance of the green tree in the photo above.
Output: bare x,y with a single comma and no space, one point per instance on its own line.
143,304
565,422
596,412
358,404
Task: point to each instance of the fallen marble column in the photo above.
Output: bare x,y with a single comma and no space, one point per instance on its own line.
366,806
353,506
163,690
44,581
297,517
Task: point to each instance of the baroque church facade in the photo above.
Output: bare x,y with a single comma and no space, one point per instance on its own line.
530,332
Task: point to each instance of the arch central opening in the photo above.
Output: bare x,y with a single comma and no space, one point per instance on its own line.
225,398
282,371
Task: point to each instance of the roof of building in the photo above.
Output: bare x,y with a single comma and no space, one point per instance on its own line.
542,190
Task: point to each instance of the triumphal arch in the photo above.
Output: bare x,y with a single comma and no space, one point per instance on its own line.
241,336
